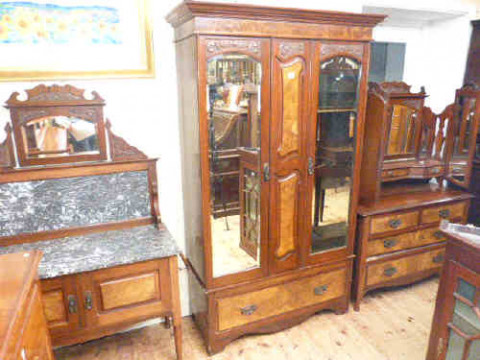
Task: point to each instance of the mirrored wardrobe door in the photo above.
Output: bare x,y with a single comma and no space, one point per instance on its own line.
288,151
333,146
234,113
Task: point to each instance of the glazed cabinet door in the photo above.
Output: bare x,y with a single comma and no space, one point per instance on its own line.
335,131
113,297
459,328
288,162
234,90
61,305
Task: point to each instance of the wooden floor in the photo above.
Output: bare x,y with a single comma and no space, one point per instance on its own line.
392,325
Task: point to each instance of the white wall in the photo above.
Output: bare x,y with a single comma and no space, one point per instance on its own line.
144,111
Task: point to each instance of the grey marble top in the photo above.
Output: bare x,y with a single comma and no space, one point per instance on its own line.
76,254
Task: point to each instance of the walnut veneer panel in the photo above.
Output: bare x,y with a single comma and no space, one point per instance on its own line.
53,306
394,269
449,211
404,241
392,222
129,290
288,204
246,308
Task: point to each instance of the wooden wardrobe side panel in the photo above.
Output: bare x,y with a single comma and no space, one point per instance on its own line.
186,53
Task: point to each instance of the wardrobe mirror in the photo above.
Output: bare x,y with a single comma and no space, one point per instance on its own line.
401,139
233,101
335,145
53,136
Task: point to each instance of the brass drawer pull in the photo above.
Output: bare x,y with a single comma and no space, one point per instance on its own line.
438,259
390,243
88,300
248,310
438,235
320,290
311,166
445,213
72,304
390,271
395,223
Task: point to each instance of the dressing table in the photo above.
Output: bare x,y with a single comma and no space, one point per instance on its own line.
88,200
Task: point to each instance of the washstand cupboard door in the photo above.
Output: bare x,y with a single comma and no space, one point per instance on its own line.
234,103
459,335
335,133
61,305
288,161
115,296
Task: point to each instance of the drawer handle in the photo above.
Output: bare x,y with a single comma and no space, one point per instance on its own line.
88,300
390,243
72,304
435,171
248,310
445,213
438,235
438,259
395,223
390,271
320,290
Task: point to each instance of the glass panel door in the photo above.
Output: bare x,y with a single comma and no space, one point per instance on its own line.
335,141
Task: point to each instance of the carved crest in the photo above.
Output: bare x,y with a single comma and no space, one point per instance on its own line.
330,50
120,150
288,49
215,46
7,157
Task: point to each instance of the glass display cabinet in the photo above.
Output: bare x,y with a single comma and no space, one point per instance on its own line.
455,330
272,101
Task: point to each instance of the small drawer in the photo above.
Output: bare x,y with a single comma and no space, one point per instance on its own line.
246,308
391,243
409,265
437,213
435,171
395,173
393,222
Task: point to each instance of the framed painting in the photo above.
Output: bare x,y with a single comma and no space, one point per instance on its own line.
65,39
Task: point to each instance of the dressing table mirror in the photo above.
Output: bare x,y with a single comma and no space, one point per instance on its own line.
463,133
57,125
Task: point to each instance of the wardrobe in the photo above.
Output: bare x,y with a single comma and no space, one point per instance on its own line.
272,106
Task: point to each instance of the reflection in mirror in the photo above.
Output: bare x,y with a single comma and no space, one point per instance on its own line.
335,144
463,128
401,140
233,100
55,136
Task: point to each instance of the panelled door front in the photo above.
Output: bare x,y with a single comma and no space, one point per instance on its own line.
288,162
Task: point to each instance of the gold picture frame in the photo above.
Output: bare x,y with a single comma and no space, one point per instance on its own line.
53,40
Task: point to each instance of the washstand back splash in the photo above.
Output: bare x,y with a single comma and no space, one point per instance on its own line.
34,206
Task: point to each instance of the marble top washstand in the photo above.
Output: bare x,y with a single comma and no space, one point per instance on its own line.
77,254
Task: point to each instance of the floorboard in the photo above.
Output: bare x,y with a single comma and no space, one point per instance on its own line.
392,325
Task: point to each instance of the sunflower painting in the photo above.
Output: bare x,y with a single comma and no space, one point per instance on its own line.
44,23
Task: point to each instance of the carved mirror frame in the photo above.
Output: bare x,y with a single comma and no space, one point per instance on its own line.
55,100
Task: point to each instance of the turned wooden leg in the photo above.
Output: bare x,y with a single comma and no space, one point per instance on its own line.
176,308
168,322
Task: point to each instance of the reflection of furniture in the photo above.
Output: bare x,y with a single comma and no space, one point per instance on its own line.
394,193
23,331
249,190
399,241
455,332
109,262
292,48
472,70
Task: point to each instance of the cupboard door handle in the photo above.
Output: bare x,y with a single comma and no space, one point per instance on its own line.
438,259
266,172
395,223
438,235
72,304
88,300
445,213
390,243
248,310
320,290
311,168
390,271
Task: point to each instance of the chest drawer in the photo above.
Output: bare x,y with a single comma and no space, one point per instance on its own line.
448,211
253,306
404,241
392,222
409,265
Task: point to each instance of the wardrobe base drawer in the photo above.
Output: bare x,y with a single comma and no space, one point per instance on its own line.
389,270
249,307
